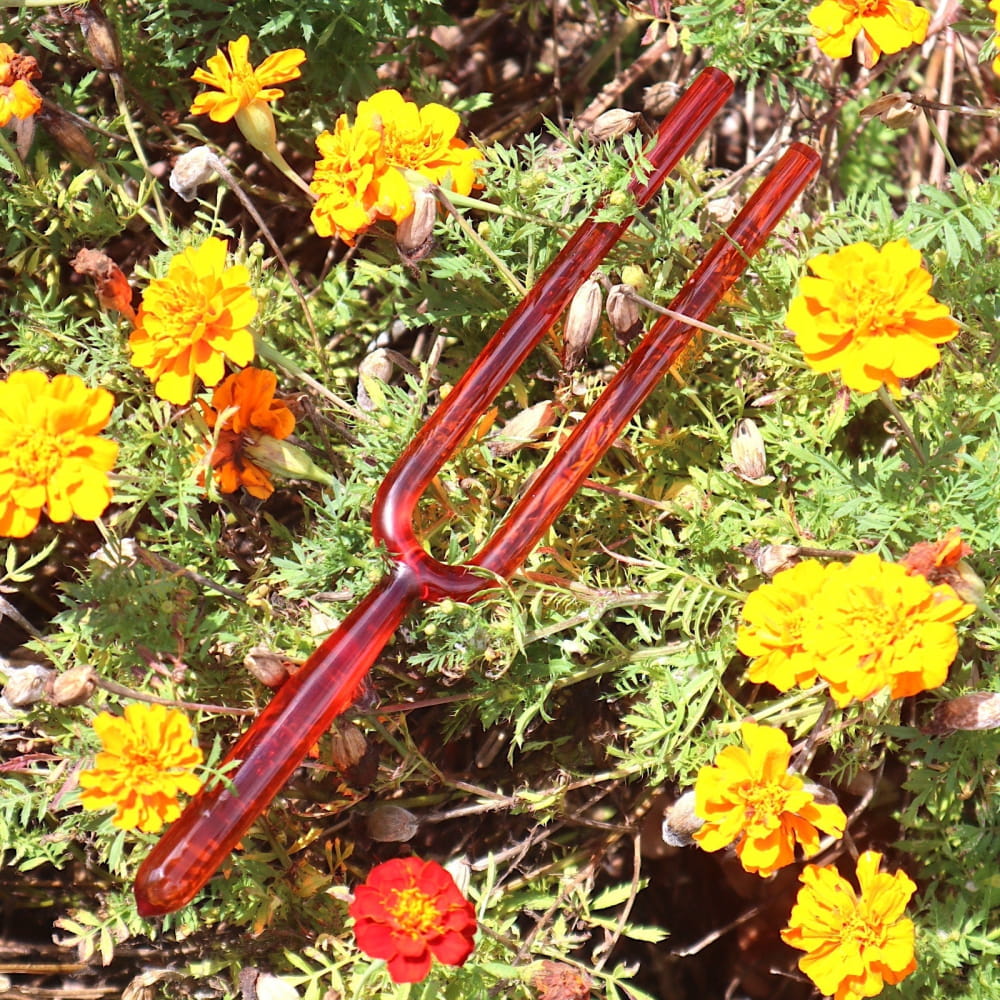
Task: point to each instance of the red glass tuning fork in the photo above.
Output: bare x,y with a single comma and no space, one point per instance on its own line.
308,702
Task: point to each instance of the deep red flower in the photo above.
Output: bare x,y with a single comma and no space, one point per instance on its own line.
409,910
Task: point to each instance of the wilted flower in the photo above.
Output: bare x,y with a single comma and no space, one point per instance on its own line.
409,911
18,98
50,453
748,798
888,25
854,943
146,762
869,313
360,177
254,413
943,561
192,319
881,627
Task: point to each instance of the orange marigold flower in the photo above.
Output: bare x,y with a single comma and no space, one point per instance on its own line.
361,174
50,453
146,762
776,626
192,319
881,627
868,313
749,798
257,414
18,99
888,25
240,83
854,942
409,910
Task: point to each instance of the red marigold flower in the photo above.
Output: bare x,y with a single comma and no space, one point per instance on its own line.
146,762
869,313
254,414
409,911
192,319
18,99
50,453
749,798
888,25
854,942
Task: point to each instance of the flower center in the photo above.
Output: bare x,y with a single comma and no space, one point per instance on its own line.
863,932
36,455
764,803
415,913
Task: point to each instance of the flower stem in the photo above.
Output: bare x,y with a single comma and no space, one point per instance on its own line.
890,405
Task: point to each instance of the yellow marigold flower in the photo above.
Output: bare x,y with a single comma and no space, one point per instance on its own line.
854,943
881,627
889,25
18,99
748,797
146,762
192,320
257,414
994,5
240,83
777,622
360,177
50,452
868,313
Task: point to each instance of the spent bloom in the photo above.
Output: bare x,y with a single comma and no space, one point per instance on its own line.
192,319
18,98
888,25
409,911
244,90
147,760
361,175
51,455
854,942
868,312
248,396
748,798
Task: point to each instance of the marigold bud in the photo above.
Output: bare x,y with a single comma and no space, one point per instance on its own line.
613,124
748,451
256,122
634,276
286,459
623,311
582,320
74,686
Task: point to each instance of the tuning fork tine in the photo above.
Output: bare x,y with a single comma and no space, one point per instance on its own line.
307,703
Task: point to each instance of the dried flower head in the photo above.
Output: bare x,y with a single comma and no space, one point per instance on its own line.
51,456
748,798
18,98
242,85
147,760
193,319
888,25
253,413
361,174
943,561
869,313
559,981
409,911
854,942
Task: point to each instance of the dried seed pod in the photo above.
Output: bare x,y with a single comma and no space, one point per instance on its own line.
376,366
70,137
267,666
969,712
27,685
191,169
749,454
582,320
680,823
771,559
894,110
74,686
101,38
660,97
415,234
271,987
623,311
613,124
348,745
527,426
390,824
